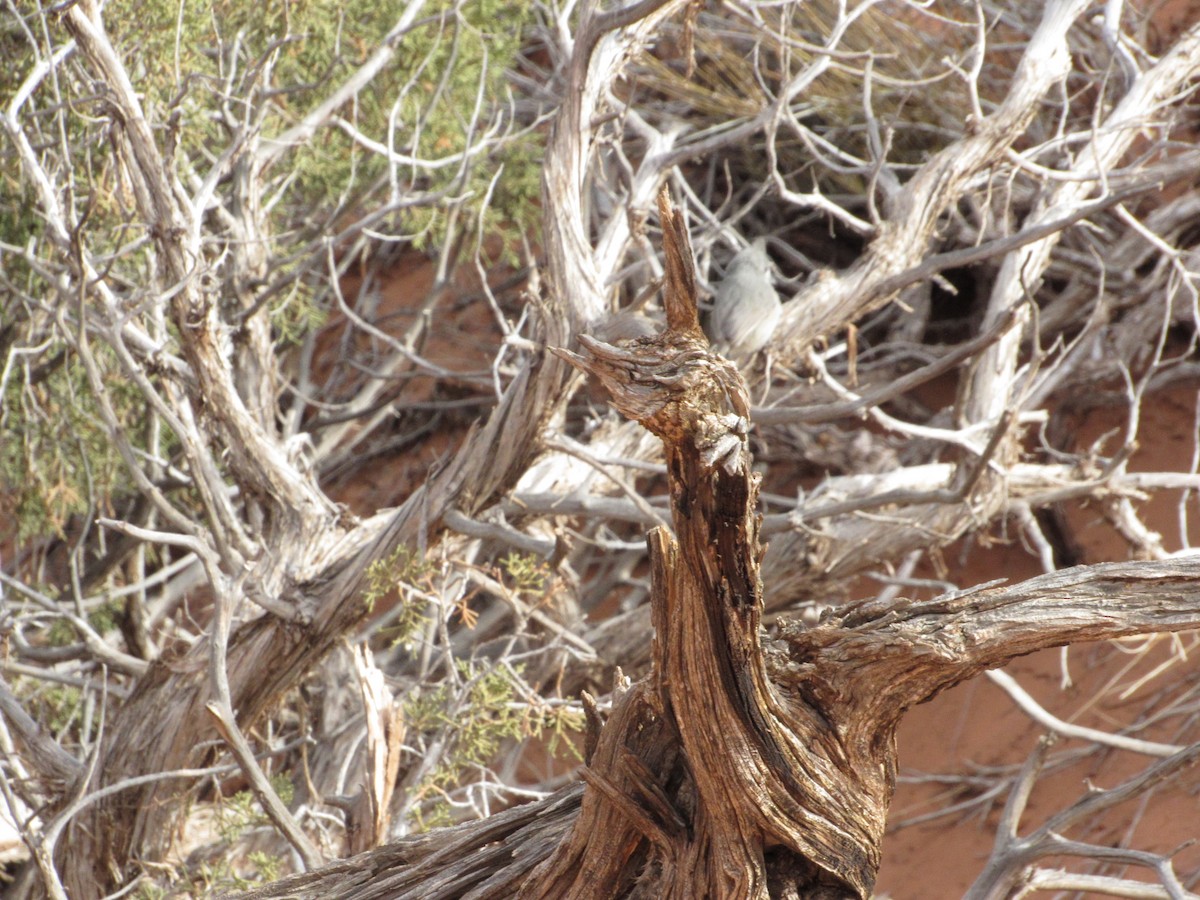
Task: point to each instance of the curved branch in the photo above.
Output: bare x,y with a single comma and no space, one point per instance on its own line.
904,237
905,652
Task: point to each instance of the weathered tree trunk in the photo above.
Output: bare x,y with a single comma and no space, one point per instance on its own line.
735,779
734,768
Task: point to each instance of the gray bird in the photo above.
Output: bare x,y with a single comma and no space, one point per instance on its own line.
746,307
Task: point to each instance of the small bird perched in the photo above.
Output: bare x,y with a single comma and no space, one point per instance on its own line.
746,307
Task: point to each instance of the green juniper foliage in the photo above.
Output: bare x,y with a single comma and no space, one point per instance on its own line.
204,74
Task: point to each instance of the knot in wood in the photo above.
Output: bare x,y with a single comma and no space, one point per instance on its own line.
674,386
